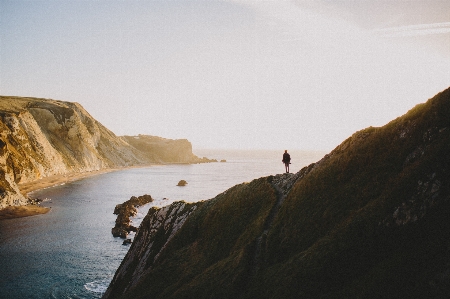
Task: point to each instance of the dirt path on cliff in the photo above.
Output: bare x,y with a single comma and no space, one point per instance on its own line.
282,184
261,240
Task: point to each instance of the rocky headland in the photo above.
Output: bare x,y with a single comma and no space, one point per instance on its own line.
126,210
164,150
45,142
369,220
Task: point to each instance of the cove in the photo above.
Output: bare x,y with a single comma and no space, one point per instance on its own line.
70,252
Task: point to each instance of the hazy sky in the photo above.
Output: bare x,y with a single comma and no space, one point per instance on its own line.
230,74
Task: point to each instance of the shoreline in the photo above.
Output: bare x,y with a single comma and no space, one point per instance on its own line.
59,179
54,180
12,212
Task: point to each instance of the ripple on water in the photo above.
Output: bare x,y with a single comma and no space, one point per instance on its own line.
98,286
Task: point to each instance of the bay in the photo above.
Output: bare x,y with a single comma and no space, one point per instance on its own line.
70,252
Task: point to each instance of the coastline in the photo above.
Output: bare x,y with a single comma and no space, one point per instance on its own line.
59,179
54,180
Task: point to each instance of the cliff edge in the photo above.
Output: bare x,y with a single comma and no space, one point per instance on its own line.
40,138
369,220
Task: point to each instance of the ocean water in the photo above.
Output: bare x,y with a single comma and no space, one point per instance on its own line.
70,252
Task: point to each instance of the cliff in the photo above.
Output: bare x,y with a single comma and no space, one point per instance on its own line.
40,138
369,220
165,150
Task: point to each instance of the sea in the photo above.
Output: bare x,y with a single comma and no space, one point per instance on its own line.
70,251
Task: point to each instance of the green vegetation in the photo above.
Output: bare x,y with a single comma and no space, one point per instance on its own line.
370,220
215,246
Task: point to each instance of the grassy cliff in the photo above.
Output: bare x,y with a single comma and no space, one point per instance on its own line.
370,220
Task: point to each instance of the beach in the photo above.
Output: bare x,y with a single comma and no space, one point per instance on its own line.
36,209
22,211
55,180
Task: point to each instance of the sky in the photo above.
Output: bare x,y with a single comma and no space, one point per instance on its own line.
230,74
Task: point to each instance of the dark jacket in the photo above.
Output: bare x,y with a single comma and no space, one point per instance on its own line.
286,158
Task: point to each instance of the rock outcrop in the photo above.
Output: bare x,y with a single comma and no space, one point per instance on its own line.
182,183
126,210
369,220
40,138
155,233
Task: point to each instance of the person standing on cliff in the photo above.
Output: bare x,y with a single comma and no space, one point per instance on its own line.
286,160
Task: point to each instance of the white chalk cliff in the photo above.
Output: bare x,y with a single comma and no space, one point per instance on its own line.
41,137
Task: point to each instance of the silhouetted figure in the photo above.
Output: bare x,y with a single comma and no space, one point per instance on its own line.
286,160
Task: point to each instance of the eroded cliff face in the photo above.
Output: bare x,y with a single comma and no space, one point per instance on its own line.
156,230
369,220
40,138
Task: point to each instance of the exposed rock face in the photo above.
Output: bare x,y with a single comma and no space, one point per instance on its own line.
126,210
40,138
369,220
156,230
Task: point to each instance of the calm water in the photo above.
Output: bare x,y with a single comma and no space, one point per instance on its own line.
70,252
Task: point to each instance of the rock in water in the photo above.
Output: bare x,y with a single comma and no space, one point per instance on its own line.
119,232
126,210
182,183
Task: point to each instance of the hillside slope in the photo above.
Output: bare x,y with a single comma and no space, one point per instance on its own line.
40,138
370,220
